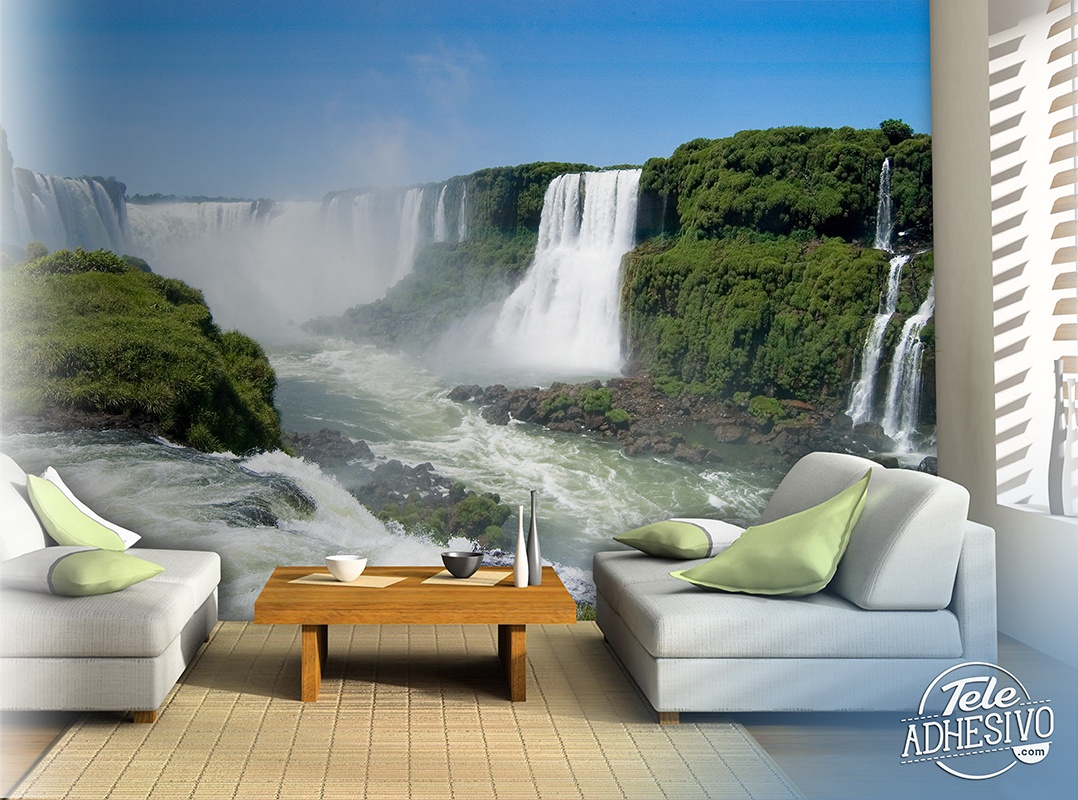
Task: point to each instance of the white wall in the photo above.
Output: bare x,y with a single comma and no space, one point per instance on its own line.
1037,555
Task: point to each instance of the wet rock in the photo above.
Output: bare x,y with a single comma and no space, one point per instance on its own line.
655,422
693,455
328,447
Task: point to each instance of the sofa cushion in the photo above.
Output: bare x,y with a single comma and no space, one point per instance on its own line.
64,521
682,537
672,619
11,472
903,552
198,570
141,621
792,556
76,571
614,571
127,537
22,531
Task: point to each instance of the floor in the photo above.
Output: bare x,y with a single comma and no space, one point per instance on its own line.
849,756
828,756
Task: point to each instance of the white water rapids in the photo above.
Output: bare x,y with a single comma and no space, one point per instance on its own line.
255,512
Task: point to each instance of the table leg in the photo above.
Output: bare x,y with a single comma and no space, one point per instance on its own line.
315,646
512,652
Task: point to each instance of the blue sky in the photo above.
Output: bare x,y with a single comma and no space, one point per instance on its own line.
294,99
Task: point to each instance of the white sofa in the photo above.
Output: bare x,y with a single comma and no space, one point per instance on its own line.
122,651
914,594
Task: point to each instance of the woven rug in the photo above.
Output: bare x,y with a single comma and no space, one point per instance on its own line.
405,712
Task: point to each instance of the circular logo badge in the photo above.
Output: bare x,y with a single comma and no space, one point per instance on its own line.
977,720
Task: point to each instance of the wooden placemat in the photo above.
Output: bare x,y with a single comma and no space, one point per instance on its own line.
482,578
369,581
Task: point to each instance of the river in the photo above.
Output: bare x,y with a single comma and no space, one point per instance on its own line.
272,508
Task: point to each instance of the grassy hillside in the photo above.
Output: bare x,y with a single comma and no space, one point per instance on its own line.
88,332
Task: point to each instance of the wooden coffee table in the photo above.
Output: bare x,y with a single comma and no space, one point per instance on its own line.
411,602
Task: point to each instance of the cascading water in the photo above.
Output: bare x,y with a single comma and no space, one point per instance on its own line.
462,216
441,225
863,398
68,212
260,263
410,233
904,386
564,315
885,209
157,228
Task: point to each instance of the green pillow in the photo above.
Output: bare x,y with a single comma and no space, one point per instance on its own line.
792,556
76,571
64,522
681,538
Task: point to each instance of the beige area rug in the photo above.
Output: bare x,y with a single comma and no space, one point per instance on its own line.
405,712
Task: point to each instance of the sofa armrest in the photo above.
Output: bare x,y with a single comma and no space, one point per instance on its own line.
974,597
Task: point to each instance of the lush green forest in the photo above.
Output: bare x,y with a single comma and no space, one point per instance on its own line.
781,317
93,333
788,181
762,278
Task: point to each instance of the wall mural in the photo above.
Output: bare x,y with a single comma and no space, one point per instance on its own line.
633,343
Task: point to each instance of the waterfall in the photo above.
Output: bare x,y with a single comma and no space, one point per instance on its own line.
408,241
462,216
884,209
904,385
154,229
863,398
69,212
565,313
441,226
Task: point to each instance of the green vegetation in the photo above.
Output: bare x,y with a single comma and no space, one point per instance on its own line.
762,285
755,274
447,283
451,280
766,408
796,180
87,331
506,199
478,517
779,318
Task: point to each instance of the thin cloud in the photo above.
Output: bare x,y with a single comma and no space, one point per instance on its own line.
448,76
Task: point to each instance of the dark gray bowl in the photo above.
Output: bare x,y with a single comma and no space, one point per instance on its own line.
462,565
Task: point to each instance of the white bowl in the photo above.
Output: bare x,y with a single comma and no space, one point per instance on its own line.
346,568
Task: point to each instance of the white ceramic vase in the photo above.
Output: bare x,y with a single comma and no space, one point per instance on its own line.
520,558
535,561
1070,452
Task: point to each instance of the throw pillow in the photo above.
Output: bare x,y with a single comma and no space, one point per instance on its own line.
127,537
682,538
21,529
64,522
792,556
76,571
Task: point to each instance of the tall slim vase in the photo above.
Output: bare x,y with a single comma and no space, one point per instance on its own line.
1070,453
535,561
1057,448
520,559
